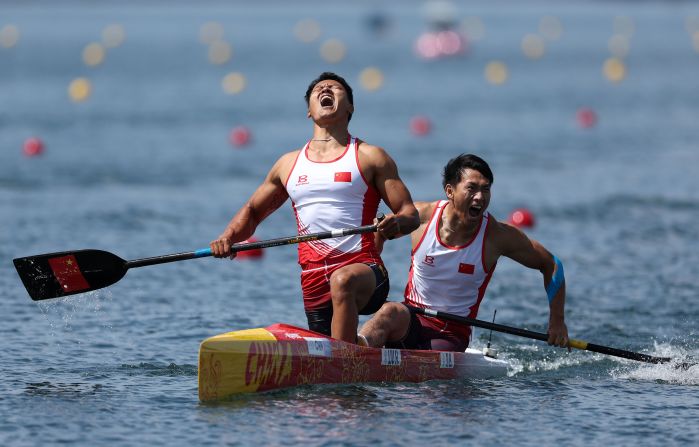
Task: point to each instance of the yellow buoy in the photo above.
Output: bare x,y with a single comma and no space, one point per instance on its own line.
550,27
210,32
79,89
9,36
533,46
93,54
220,52
624,25
333,51
496,73
233,83
614,69
371,78
113,35
307,30
619,45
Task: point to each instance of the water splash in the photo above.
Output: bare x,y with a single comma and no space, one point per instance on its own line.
72,317
537,359
534,359
683,370
66,308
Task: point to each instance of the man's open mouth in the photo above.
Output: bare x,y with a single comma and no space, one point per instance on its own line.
326,100
474,211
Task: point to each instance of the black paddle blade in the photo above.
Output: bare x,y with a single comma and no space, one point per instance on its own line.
53,275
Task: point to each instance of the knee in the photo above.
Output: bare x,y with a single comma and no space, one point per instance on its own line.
393,320
392,311
341,283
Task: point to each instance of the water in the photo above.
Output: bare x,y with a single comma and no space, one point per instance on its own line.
144,168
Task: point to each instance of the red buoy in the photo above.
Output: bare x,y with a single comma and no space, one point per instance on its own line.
522,218
240,136
420,126
33,146
586,117
432,45
427,46
250,254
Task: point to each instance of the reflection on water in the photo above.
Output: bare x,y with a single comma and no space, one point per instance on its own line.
150,369
57,389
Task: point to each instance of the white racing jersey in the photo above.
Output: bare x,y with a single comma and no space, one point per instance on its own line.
332,195
445,278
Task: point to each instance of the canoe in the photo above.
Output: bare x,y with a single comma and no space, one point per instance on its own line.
281,356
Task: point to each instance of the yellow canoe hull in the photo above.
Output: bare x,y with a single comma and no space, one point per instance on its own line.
281,356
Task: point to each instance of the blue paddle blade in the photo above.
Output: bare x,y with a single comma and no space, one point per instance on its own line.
53,275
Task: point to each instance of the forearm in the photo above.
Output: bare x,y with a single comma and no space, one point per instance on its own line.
396,225
408,219
405,218
242,226
378,242
557,305
554,282
530,253
556,291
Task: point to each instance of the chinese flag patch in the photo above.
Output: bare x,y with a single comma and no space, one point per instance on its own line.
343,176
466,268
68,274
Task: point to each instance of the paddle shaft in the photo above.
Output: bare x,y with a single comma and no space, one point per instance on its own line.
53,275
252,245
577,344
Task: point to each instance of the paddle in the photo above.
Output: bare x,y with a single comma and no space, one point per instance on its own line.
577,344
53,275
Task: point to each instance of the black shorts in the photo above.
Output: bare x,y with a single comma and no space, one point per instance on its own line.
319,320
429,333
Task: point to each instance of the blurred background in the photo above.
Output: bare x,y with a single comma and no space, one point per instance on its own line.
141,127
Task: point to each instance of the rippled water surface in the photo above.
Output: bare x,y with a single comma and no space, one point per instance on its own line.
144,168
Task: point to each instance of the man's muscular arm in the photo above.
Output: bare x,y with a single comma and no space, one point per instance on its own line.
268,197
384,174
514,244
424,210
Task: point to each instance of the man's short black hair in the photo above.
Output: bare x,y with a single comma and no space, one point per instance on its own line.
333,77
454,170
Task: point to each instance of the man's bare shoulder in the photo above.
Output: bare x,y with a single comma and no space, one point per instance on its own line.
503,234
284,164
372,152
289,156
364,146
425,210
497,228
